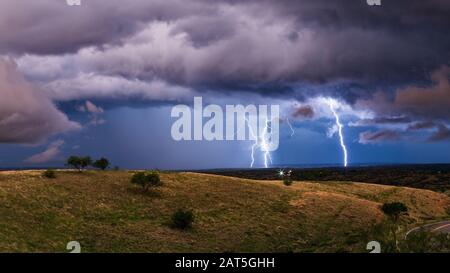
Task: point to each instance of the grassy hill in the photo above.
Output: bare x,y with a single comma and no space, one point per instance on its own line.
105,213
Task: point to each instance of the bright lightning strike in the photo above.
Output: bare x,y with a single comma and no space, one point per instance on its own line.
260,142
332,103
264,146
255,145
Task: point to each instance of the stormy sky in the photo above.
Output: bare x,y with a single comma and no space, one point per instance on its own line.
101,78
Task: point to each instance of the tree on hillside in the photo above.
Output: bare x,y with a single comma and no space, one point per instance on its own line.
79,163
394,211
102,164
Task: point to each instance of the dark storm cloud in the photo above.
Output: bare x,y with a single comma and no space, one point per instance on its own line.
305,111
53,27
379,136
163,50
422,125
241,42
439,132
419,102
384,120
442,133
432,101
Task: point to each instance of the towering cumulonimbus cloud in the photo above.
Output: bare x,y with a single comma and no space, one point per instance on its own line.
26,115
375,58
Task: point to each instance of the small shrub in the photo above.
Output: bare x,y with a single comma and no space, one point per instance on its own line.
182,219
286,176
287,182
146,179
50,173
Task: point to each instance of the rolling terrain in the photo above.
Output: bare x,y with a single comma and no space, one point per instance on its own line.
434,177
106,213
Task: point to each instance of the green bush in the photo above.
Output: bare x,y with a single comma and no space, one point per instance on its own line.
182,219
146,179
287,182
286,176
50,173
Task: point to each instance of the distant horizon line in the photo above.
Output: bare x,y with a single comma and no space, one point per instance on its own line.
277,166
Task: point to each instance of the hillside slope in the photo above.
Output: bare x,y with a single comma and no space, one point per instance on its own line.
105,213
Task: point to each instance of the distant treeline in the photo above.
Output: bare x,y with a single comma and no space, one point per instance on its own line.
433,176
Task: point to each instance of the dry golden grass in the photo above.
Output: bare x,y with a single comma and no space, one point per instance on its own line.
105,213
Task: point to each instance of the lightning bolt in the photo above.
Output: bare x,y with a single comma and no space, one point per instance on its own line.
260,142
264,146
332,103
255,145
290,126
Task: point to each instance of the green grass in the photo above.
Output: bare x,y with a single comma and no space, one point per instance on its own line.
106,213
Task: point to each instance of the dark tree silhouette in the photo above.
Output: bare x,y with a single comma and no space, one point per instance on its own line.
102,164
79,163
394,211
